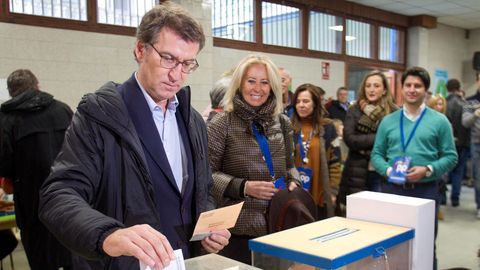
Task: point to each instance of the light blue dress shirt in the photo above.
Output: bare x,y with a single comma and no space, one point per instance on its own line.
167,127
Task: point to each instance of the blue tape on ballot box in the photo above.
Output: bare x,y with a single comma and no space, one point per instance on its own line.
265,245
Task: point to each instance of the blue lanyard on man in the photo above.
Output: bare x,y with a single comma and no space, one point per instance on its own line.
402,136
263,143
401,163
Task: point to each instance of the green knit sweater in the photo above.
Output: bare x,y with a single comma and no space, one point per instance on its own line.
432,144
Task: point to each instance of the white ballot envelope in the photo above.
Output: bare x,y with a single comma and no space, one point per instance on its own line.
217,219
177,264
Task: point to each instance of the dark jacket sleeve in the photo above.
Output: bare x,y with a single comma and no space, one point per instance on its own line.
355,140
67,196
205,200
6,147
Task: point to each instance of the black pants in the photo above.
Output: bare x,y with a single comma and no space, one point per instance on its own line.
8,243
237,249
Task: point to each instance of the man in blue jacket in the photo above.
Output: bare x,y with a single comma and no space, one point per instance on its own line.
133,174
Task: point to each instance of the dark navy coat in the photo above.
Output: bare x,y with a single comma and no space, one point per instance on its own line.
112,169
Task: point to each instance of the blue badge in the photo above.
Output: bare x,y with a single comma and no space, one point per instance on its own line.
279,183
305,177
398,175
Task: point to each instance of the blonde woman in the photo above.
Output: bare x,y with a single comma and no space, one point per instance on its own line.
438,103
360,126
252,117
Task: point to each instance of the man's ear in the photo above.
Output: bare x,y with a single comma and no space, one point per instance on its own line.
139,50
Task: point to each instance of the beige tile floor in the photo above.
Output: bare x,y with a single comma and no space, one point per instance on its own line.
457,243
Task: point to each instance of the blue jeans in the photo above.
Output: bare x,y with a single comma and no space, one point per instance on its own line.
475,151
457,174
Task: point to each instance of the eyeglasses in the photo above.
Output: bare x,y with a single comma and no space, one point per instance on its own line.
170,62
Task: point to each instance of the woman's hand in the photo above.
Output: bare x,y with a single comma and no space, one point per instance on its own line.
292,185
260,189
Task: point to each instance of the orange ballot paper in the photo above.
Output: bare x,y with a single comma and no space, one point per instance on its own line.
217,219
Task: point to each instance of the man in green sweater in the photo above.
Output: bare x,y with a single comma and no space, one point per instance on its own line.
414,146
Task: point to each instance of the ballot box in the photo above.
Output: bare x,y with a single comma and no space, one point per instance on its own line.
415,213
335,243
215,262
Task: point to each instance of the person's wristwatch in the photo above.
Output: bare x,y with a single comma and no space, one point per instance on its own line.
429,172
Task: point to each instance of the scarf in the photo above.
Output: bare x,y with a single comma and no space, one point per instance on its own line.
262,115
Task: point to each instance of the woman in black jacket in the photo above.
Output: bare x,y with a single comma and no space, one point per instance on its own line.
374,102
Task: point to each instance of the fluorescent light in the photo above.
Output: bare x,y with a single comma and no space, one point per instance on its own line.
350,38
336,28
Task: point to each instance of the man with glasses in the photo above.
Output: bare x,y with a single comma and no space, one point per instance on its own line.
133,175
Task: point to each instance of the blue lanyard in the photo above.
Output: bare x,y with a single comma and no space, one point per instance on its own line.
402,137
303,152
263,143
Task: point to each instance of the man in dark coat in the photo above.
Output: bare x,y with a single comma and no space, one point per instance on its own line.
133,175
338,108
461,134
32,127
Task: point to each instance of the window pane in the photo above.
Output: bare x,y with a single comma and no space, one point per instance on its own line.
390,46
358,39
123,12
325,32
65,9
233,19
281,25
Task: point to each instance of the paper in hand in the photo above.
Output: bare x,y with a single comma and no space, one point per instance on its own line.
217,219
177,264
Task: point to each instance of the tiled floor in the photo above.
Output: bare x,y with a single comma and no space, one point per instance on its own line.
458,238
457,243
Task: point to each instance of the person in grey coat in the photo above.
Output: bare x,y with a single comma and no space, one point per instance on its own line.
252,106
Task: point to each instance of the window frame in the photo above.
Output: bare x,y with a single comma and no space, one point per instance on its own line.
344,11
90,25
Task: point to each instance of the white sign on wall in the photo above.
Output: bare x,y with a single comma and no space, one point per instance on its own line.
3,90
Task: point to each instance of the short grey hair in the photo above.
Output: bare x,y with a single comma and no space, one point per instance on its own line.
218,91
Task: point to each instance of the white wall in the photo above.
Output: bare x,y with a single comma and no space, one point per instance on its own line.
67,63
444,47
473,45
72,63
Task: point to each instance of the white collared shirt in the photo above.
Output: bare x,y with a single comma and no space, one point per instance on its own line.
414,117
167,128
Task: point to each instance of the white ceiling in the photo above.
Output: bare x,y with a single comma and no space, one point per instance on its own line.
459,13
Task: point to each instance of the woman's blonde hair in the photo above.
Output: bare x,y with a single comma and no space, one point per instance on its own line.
239,74
386,100
432,102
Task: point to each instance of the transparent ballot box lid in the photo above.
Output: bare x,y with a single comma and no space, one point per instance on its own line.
333,243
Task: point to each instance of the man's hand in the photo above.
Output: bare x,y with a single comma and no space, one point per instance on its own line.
416,173
142,242
260,189
216,241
